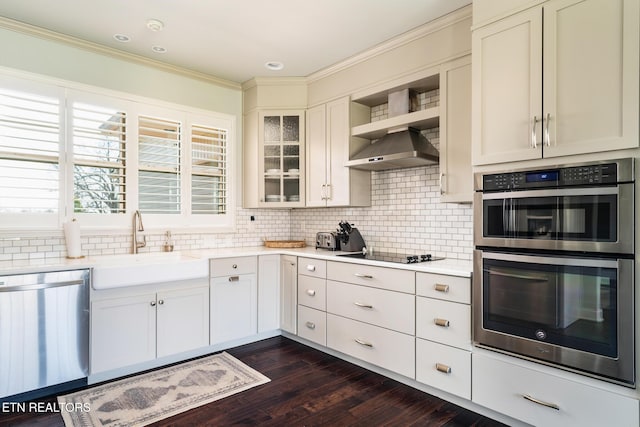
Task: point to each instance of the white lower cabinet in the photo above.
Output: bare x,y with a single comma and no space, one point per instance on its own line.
312,292
234,298
391,310
388,349
444,367
268,292
529,394
123,331
312,324
135,326
289,290
444,322
183,320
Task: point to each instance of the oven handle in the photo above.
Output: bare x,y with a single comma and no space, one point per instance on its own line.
518,276
549,260
597,191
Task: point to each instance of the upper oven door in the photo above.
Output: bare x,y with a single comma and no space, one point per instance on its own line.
590,219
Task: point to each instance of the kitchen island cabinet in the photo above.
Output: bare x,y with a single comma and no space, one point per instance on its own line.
138,324
559,86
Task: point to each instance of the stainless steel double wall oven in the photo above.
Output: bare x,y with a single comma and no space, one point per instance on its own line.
554,266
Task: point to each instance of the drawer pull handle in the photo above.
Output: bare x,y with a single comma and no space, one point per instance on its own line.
541,402
310,325
311,292
441,288
311,267
445,369
363,305
441,322
364,276
234,278
363,343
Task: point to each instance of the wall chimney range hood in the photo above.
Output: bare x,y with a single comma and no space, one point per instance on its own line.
402,147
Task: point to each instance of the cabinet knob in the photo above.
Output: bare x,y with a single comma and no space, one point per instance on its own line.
311,292
445,369
234,266
441,288
441,322
310,325
311,267
160,302
153,303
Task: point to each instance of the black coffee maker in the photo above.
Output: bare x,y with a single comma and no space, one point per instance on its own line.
350,238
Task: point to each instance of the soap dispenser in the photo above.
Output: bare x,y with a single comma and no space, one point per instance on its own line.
168,244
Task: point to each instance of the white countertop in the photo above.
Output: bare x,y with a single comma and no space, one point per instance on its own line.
450,267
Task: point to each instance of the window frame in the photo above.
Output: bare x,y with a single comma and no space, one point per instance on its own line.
134,107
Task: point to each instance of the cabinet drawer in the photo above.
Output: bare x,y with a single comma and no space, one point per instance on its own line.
391,310
377,277
501,386
444,367
312,292
450,288
312,267
388,349
233,266
312,325
445,322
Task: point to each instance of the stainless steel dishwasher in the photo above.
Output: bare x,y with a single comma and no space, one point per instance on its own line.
44,332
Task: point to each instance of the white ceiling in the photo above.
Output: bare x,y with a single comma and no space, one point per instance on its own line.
233,39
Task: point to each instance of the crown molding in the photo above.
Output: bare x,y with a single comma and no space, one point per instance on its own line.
403,39
273,81
42,33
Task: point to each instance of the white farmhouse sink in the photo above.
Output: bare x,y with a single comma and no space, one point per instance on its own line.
139,269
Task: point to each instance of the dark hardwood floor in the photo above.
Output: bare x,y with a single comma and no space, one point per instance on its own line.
307,388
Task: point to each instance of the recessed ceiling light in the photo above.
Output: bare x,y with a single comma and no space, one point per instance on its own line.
274,65
121,38
155,25
159,49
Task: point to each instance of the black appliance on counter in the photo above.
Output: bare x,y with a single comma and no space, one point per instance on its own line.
349,238
553,273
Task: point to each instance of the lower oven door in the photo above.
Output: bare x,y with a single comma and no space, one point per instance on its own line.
575,312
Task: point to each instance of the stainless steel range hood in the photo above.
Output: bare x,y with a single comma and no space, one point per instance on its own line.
401,148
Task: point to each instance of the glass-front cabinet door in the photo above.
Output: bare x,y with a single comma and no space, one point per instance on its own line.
282,151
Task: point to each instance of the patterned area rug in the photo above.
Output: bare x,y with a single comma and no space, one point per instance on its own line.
146,398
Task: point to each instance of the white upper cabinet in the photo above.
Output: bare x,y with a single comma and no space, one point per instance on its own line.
555,80
455,131
329,144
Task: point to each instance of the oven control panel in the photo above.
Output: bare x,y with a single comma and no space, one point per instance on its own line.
557,177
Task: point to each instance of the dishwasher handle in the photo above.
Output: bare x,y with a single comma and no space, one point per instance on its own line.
36,286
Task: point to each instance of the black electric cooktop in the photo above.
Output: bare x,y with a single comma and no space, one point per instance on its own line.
391,257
